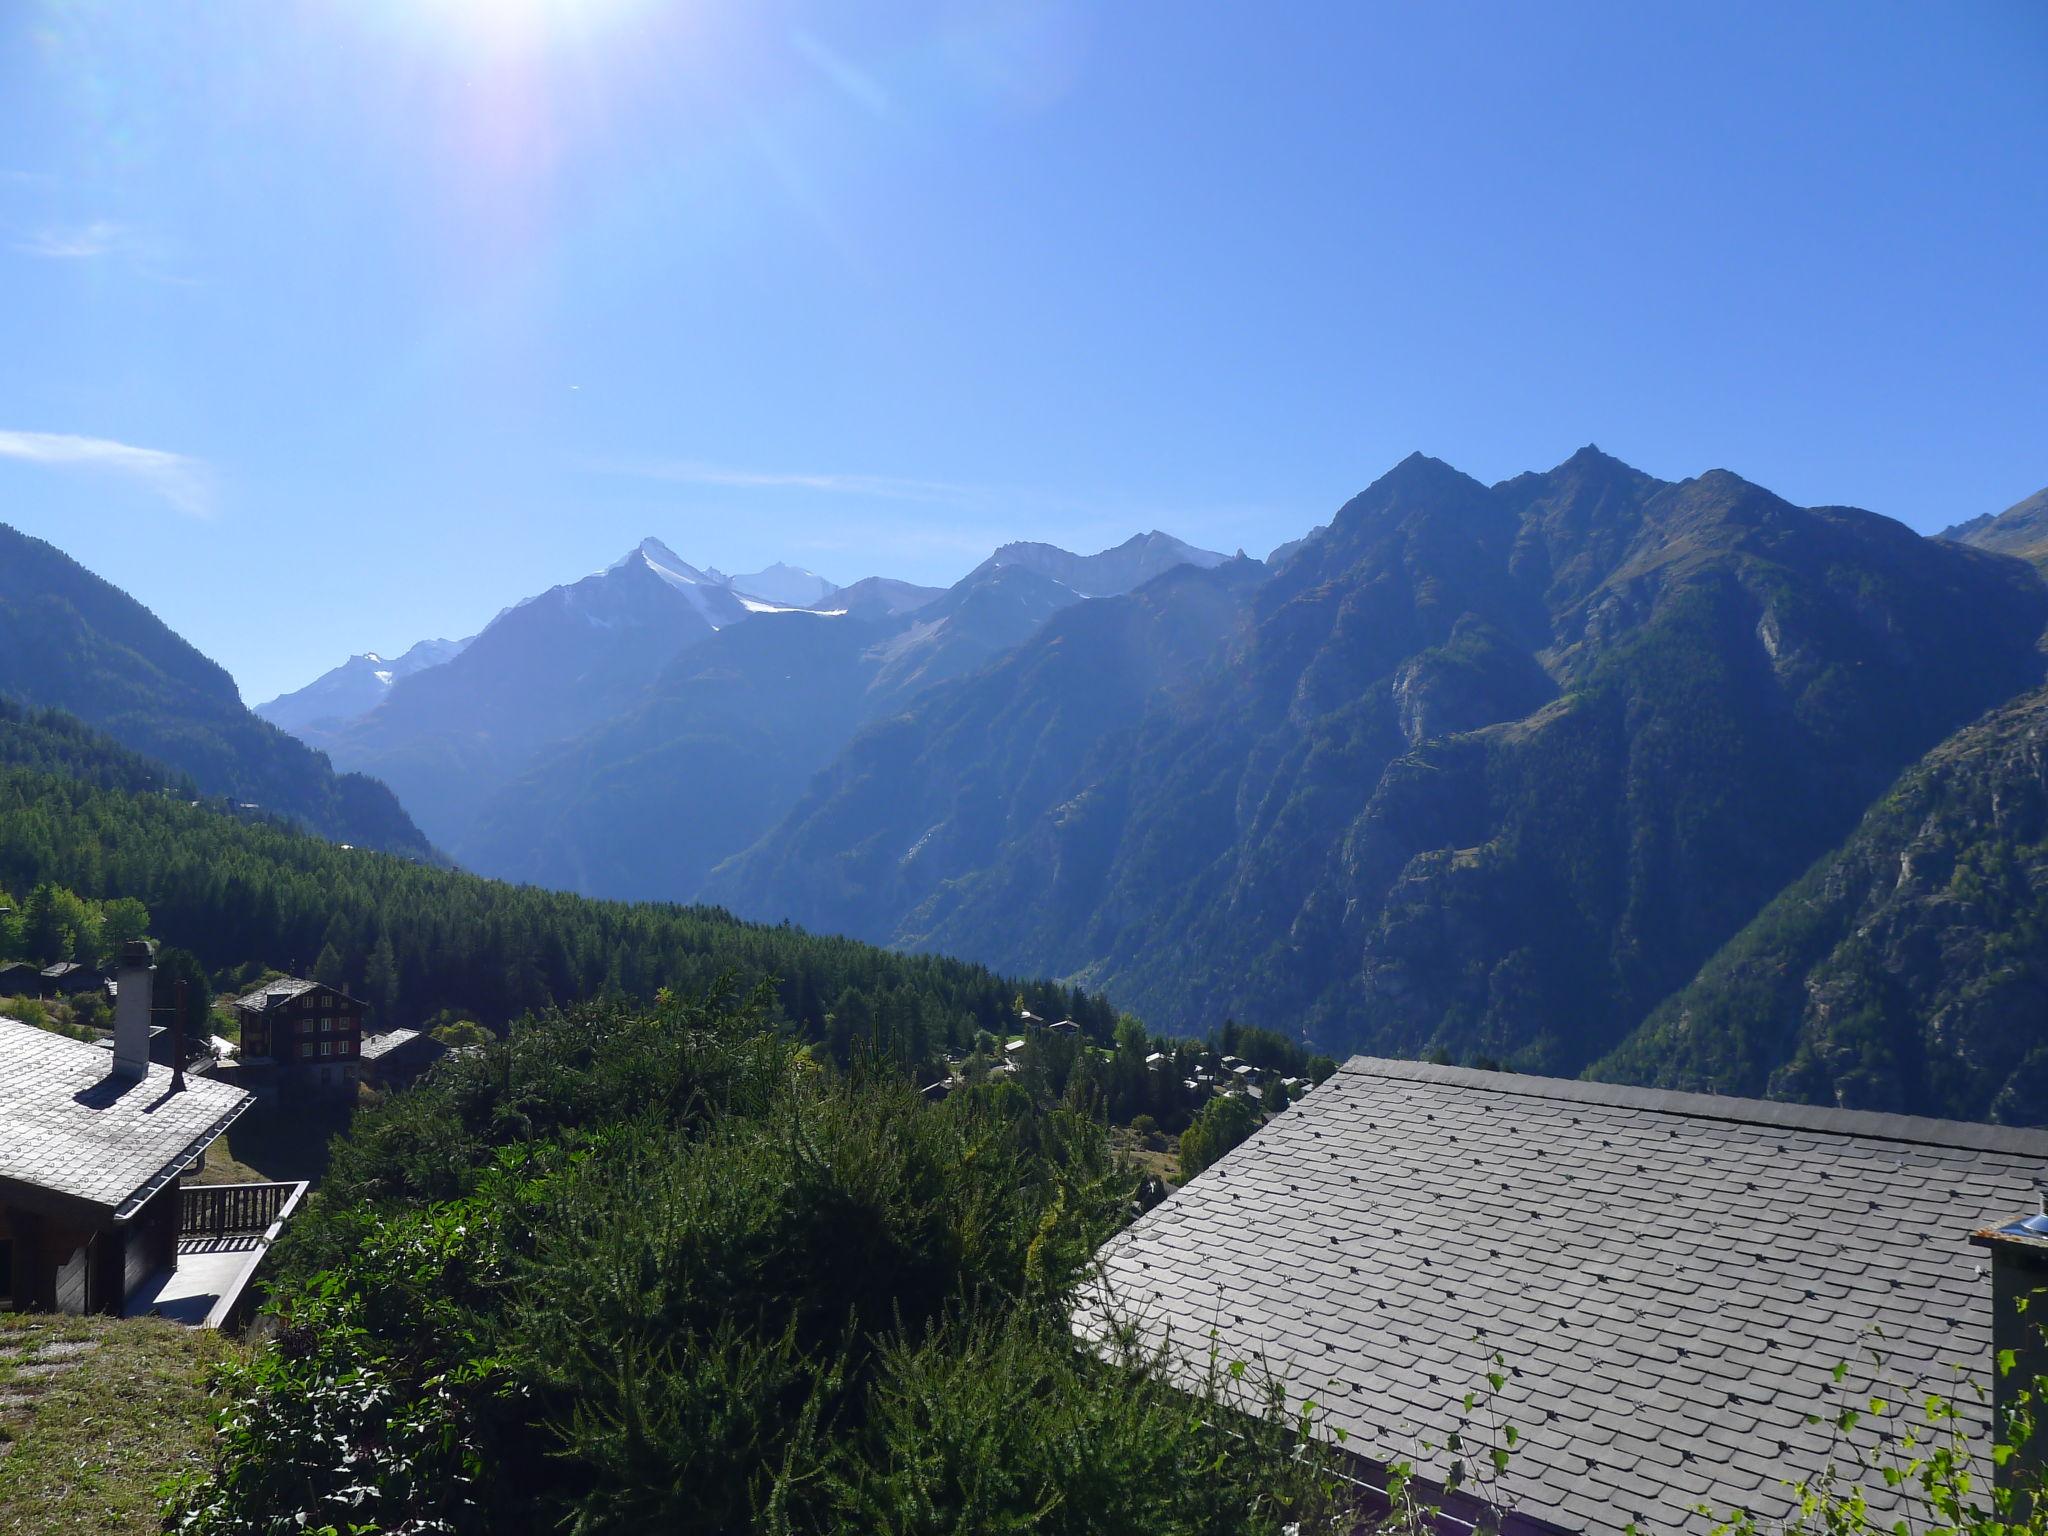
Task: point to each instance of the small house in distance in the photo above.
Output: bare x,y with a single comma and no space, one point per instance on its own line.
20,979
300,1037
68,977
398,1056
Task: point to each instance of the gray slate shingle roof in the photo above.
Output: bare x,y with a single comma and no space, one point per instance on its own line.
68,1125
1671,1277
272,993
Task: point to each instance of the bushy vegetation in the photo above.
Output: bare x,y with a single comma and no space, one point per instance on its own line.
633,1271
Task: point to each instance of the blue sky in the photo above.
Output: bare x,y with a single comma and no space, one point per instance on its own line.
330,326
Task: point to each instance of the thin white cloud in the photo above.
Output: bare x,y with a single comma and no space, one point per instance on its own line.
875,487
184,482
76,242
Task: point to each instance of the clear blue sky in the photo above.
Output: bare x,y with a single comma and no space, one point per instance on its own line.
331,325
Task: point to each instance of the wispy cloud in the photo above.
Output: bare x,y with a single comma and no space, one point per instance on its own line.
874,487
186,483
76,242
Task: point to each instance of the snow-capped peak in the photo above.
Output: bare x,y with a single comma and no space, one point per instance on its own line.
668,565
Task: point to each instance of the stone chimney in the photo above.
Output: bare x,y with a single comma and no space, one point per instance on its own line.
2019,1323
137,978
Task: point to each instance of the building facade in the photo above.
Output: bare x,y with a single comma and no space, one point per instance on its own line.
300,1037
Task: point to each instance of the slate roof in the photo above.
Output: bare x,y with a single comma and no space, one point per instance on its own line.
379,1045
1671,1277
68,1125
272,993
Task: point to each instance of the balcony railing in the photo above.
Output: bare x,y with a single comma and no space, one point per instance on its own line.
224,1210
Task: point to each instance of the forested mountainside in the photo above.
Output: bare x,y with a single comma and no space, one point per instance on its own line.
70,641
2021,530
79,812
1908,969
1488,770
724,742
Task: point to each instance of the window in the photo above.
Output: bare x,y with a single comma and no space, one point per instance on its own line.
305,1048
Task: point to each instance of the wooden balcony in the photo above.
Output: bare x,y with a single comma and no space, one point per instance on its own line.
224,1236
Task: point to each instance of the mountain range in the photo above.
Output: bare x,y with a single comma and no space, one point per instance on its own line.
354,688
1490,771
621,734
1585,771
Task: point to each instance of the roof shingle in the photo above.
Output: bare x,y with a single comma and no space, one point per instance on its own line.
1670,1277
69,1126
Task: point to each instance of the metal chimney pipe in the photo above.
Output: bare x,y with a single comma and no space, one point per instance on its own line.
137,978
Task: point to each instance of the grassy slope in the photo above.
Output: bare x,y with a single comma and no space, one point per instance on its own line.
94,1414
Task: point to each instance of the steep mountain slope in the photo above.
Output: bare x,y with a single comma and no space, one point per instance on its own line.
2021,529
877,597
1488,768
1908,969
919,813
354,688
1131,564
70,641
540,673
644,805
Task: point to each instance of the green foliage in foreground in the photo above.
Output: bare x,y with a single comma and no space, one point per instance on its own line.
632,1272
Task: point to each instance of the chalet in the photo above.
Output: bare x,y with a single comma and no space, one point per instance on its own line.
68,977
1670,1278
300,1038
397,1056
1159,1061
92,1148
1014,1047
1064,1027
20,979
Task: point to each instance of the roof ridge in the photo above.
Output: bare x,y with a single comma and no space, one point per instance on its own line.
2019,1141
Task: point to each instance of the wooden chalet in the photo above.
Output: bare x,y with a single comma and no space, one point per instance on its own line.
300,1037
92,1149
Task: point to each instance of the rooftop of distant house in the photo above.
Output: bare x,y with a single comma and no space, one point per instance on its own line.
1671,1278
72,1129
274,993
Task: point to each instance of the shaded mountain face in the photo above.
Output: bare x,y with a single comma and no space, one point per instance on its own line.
538,674
1131,564
70,641
982,788
2020,530
1491,769
883,597
354,688
645,804
1908,969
